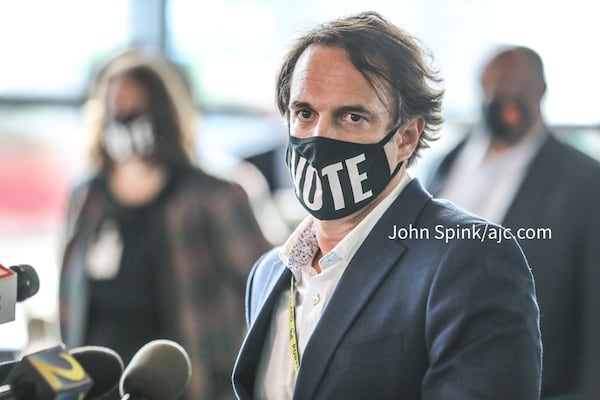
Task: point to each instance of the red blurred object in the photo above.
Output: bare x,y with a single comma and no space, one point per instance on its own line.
34,182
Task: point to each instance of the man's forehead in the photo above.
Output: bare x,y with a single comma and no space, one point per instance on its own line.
326,61
329,71
505,76
512,65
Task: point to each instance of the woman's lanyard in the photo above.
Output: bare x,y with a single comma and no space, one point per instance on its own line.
292,318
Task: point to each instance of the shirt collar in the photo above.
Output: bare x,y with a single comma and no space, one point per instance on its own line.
300,248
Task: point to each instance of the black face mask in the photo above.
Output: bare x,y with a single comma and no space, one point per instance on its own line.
507,120
334,178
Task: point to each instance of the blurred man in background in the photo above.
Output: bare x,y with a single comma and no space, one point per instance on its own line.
513,171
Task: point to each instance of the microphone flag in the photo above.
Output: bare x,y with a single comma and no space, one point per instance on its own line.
8,294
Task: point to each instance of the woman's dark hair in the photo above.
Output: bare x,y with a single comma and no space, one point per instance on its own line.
168,135
169,106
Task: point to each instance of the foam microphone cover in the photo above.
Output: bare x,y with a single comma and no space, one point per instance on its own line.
48,374
6,368
102,364
28,282
160,370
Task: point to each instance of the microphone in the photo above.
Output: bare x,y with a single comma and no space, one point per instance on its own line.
5,368
103,365
49,374
28,282
8,294
160,370
17,283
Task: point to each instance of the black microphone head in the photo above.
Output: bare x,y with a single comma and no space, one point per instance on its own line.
160,370
102,364
28,282
49,374
6,368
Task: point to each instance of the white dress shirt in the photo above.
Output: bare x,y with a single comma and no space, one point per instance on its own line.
275,377
485,183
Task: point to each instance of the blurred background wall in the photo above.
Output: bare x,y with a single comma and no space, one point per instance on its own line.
229,51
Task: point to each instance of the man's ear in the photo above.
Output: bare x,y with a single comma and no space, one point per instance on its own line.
403,144
408,136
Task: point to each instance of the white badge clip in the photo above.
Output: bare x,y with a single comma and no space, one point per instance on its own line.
104,257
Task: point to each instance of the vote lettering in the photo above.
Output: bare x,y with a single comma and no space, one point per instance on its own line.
307,179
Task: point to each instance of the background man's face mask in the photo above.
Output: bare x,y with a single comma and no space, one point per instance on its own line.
507,120
125,138
334,178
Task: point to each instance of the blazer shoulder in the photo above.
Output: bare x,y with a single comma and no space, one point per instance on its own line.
198,189
197,179
456,229
576,173
447,213
571,157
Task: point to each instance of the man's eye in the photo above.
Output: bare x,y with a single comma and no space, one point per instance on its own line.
305,114
352,117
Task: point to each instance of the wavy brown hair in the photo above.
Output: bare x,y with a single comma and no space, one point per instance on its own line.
383,53
169,101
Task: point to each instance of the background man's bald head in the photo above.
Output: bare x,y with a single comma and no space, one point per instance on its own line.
515,71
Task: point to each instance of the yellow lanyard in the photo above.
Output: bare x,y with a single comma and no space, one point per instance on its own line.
293,340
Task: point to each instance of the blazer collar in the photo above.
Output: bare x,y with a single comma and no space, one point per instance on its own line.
244,371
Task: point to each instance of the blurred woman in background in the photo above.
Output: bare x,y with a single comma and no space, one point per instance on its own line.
155,247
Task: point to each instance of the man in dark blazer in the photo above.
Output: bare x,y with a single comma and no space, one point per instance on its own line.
381,292
540,185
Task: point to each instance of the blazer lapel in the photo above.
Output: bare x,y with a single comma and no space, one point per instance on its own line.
435,181
251,349
543,171
364,274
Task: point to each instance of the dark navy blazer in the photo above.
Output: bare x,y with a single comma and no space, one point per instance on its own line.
560,191
412,319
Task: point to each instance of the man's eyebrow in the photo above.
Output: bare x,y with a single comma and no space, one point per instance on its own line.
294,105
352,108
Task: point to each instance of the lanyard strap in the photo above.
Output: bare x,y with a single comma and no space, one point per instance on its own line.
292,319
